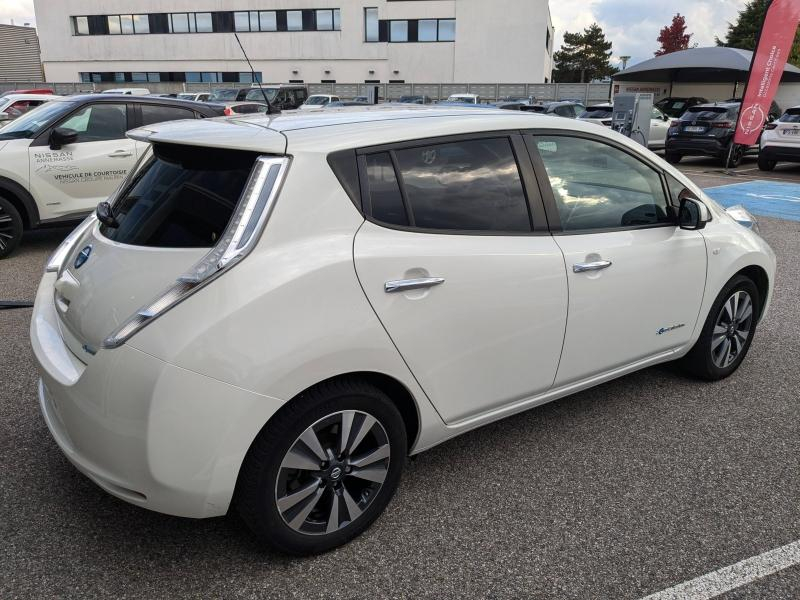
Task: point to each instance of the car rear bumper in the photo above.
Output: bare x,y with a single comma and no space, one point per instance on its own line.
782,153
697,146
146,431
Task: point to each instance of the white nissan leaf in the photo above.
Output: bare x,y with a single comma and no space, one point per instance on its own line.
273,312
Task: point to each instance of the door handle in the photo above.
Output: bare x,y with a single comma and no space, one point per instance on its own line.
120,154
598,265
405,285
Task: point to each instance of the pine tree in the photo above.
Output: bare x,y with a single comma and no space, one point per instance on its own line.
744,32
583,57
674,37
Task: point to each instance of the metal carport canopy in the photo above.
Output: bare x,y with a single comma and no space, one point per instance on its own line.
699,65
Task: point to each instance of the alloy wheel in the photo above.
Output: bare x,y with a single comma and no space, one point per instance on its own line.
6,229
332,472
732,329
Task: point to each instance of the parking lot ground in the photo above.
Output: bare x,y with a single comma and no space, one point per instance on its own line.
618,492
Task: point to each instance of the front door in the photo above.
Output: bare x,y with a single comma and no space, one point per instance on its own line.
636,280
74,179
474,300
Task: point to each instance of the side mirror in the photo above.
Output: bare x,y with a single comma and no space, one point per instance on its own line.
693,214
61,137
105,215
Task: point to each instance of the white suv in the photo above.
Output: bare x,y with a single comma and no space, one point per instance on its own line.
273,312
780,140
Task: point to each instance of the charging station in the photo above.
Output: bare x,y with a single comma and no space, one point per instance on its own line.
632,115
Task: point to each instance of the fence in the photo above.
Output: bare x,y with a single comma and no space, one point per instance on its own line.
583,92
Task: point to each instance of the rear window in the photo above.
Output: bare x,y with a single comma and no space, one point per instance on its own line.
708,113
597,112
180,197
791,116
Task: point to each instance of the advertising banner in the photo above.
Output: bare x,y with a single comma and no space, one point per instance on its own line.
769,60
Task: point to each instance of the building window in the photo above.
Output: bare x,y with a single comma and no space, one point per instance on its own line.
371,29
203,23
398,31
269,21
547,40
127,24
241,21
114,27
337,19
80,26
141,24
294,20
179,23
427,31
447,30
324,20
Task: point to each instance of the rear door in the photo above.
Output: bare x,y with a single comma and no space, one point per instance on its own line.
473,296
74,179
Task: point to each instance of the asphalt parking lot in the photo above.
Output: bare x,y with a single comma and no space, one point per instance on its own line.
617,492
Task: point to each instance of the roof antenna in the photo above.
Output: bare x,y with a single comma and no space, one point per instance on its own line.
255,79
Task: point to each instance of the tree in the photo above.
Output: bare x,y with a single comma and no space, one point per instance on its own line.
744,32
674,37
583,57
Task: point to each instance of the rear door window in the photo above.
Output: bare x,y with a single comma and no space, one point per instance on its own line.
180,197
158,114
99,122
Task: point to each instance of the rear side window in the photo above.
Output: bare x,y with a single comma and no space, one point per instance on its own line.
158,114
386,202
180,197
99,122
467,186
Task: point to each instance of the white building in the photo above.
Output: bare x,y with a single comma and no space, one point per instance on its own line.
347,41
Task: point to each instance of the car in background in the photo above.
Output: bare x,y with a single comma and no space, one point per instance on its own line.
675,107
463,99
128,91
229,94
34,91
60,159
560,108
364,99
601,114
13,106
194,97
171,95
774,110
414,100
519,99
270,324
707,130
319,101
341,103
280,97
244,108
780,141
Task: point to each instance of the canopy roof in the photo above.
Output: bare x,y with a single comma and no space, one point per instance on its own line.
699,65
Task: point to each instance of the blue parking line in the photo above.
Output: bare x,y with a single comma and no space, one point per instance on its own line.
766,198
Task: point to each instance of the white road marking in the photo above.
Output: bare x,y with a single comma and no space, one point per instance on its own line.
729,578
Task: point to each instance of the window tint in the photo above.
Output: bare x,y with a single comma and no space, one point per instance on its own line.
371,24
158,114
597,186
180,198
384,191
99,122
468,186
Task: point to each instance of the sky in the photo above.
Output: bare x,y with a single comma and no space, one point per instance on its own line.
632,25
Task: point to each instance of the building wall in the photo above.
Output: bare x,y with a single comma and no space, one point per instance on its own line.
20,58
502,41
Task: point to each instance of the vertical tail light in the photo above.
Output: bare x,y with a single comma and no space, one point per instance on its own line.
240,236
675,123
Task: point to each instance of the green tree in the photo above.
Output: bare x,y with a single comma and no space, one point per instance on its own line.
744,32
583,56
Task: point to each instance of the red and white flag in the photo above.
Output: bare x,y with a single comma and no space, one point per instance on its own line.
774,47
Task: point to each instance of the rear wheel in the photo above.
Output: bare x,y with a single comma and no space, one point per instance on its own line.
727,333
765,164
733,157
10,227
323,469
673,157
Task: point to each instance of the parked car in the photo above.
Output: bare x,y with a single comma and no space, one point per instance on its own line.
230,94
602,114
195,97
244,108
281,97
561,108
522,100
675,107
16,105
33,91
780,141
706,130
270,319
341,103
57,161
319,101
464,98
414,100
128,91
774,110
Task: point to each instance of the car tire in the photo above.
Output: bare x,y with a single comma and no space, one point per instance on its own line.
732,158
673,158
299,504
725,339
764,164
11,228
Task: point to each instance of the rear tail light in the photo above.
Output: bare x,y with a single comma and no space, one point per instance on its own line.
241,235
675,123
771,126
228,111
722,125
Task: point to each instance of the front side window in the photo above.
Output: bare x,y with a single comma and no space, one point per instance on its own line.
99,122
371,29
597,186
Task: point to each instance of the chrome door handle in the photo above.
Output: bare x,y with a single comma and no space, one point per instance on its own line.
404,285
592,266
120,154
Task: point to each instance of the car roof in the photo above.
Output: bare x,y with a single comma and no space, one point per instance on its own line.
348,127
29,97
203,107
717,104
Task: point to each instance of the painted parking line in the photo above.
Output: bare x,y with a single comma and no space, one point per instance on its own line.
732,577
779,200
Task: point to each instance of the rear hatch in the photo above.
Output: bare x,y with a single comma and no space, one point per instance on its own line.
788,127
702,121
170,212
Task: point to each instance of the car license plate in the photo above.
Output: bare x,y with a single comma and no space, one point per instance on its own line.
791,132
694,129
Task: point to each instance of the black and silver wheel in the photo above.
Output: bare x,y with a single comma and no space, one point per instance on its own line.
10,227
733,156
323,469
728,331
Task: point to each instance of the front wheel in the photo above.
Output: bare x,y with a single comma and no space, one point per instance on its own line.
10,228
727,333
323,469
764,164
673,158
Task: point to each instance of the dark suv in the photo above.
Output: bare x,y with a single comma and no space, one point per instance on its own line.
281,97
675,107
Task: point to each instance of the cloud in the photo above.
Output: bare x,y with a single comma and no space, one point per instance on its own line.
21,11
633,26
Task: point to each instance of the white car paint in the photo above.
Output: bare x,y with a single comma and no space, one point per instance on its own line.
196,97
165,419
783,135
659,125
317,101
128,91
465,98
